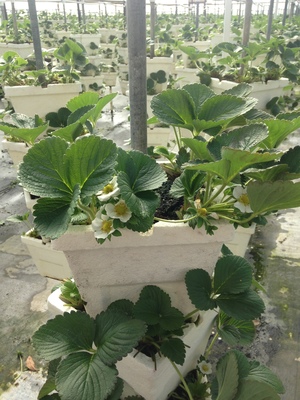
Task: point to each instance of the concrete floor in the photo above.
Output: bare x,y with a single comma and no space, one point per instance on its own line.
274,251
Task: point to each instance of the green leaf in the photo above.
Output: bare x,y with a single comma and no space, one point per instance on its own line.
279,129
234,331
49,385
228,377
233,274
124,306
199,94
82,100
55,170
187,184
243,306
269,174
240,90
53,216
262,373
174,107
69,132
223,108
138,176
245,138
272,196
27,135
154,307
253,390
174,349
64,334
199,148
198,283
292,159
83,376
116,335
118,390
233,162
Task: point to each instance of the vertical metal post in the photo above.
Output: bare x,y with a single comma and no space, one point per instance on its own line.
14,19
246,30
152,27
285,12
270,20
79,12
136,30
35,35
197,22
83,13
3,12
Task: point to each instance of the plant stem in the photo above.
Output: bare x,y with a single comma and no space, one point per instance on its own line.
182,380
86,210
190,314
176,221
209,349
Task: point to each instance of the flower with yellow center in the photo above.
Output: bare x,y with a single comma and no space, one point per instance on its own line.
102,225
242,203
205,367
109,191
119,211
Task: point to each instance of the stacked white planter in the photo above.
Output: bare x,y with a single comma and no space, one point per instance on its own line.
31,100
23,49
263,92
49,262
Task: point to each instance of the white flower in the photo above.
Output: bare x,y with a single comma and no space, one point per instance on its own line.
102,225
118,210
205,367
242,202
109,191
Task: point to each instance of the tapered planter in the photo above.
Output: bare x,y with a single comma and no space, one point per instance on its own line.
240,241
16,151
23,49
49,262
120,268
31,100
155,383
263,92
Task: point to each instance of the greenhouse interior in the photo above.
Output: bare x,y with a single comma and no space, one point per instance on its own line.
150,200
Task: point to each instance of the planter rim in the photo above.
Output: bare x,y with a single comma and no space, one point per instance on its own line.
175,233
38,90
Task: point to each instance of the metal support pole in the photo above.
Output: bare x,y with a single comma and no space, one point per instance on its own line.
83,13
285,12
136,28
35,35
14,19
197,22
152,27
270,20
79,12
246,30
3,12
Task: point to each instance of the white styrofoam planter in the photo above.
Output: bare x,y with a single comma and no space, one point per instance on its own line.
263,92
23,49
155,384
186,76
29,200
31,100
158,136
56,306
239,243
109,78
61,34
139,371
86,39
49,262
124,85
16,151
89,80
120,268
159,63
